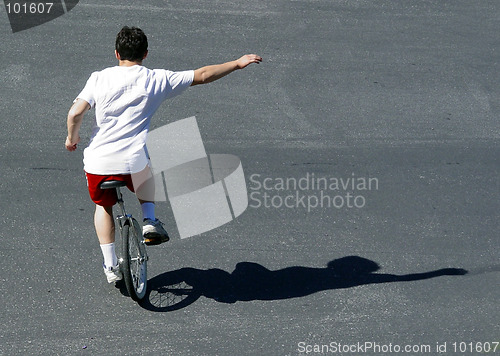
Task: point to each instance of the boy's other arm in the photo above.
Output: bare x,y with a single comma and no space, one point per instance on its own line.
211,73
75,116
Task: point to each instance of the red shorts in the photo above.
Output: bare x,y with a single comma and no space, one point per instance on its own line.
105,197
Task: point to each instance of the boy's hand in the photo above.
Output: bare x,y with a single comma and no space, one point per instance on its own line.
248,59
71,144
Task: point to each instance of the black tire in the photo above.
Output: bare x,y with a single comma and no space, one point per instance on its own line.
134,260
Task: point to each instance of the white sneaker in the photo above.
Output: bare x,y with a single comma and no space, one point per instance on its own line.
153,232
113,274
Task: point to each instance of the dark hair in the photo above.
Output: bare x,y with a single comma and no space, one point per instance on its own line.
131,44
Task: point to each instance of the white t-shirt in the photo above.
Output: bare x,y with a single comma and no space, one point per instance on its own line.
125,99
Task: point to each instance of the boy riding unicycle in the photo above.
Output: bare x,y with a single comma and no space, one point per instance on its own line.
125,97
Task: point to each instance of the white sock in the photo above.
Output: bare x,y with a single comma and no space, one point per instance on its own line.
148,210
109,254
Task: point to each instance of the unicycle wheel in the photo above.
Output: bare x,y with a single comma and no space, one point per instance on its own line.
134,260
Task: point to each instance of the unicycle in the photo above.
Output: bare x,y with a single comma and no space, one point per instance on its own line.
133,257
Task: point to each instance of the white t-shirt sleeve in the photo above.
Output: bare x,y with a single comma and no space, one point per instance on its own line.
88,91
177,82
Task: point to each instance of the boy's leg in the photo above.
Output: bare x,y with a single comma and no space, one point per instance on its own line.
104,224
144,186
105,229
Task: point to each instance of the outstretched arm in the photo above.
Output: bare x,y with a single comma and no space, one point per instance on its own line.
75,116
211,73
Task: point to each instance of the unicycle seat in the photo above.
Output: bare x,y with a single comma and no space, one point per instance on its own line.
113,184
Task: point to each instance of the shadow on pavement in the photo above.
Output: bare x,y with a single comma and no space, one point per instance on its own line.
250,281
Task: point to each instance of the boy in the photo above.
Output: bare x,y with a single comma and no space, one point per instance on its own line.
125,98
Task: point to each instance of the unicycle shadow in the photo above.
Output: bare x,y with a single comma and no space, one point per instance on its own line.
250,281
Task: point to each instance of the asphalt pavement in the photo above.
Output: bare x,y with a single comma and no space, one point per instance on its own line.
370,143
